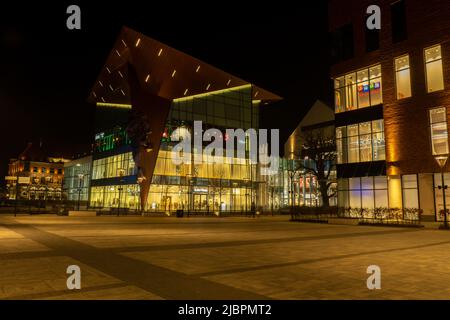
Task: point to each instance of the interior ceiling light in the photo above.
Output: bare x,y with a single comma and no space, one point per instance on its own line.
186,91
256,93
198,68
159,52
173,73
209,85
229,81
138,41
147,78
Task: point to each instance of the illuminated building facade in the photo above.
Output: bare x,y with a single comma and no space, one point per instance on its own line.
77,176
146,91
391,106
39,176
301,187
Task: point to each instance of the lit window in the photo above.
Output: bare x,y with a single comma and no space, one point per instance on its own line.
361,142
358,89
403,77
438,129
433,68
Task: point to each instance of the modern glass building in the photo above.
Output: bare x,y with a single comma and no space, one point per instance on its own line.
130,134
76,179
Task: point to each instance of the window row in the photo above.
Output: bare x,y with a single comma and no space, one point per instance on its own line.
361,142
362,88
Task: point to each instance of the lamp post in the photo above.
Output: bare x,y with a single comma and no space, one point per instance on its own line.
120,173
442,160
80,184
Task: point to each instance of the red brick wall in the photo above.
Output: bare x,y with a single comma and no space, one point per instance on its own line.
407,133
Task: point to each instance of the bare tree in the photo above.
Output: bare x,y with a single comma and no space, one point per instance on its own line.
319,147
293,168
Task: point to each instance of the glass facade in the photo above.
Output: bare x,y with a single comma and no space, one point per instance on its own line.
358,89
77,179
205,186
363,192
360,142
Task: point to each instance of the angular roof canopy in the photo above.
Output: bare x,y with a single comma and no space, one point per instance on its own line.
162,70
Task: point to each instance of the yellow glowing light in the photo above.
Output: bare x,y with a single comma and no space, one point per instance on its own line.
212,92
148,77
120,74
229,81
160,51
124,43
101,83
186,91
138,42
209,85
118,53
107,69
173,73
113,105
198,68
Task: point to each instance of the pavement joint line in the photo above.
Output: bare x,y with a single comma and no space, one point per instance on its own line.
236,243
308,261
54,294
28,255
163,282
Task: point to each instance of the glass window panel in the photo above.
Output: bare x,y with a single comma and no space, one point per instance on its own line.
403,77
350,82
367,183
438,115
381,198
379,152
409,181
367,199
354,183
363,88
378,125
353,149
355,199
364,128
380,182
433,66
365,148
410,198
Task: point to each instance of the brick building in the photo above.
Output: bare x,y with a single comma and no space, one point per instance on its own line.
392,106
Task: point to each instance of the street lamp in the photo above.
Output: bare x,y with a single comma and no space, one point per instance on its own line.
80,183
442,160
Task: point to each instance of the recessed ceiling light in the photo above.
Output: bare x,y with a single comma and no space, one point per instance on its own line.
124,43
256,93
160,51
148,77
229,81
120,74
198,68
209,85
173,73
186,91
138,42
118,53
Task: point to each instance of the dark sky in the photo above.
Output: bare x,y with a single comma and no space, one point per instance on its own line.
46,71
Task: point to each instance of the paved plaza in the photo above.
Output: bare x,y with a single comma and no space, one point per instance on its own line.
217,258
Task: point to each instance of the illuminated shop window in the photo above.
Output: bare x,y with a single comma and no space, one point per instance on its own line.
358,89
403,77
438,129
410,193
364,192
433,68
361,142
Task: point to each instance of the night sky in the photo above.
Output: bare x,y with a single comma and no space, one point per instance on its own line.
47,71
